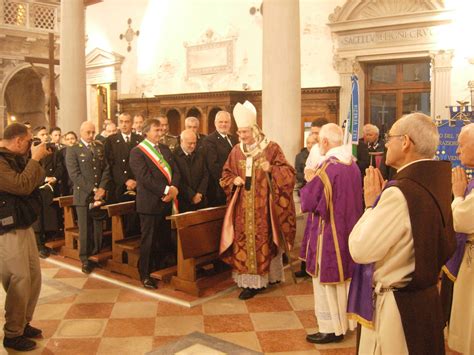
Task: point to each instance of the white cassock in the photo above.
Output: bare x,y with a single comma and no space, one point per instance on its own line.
383,236
461,325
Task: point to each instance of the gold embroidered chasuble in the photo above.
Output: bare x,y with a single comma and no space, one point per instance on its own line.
257,216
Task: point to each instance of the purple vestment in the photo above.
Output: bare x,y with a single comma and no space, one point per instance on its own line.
334,202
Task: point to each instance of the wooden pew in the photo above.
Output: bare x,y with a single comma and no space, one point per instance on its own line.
70,248
198,237
125,251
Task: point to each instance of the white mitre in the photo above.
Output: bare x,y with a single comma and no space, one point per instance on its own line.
245,115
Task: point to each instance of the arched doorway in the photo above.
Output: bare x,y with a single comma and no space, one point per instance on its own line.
210,119
174,120
25,99
194,111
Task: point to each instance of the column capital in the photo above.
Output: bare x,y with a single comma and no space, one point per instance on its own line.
470,84
346,65
442,59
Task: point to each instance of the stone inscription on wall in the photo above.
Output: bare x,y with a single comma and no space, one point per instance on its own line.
375,38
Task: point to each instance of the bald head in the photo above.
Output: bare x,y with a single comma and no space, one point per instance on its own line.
188,141
330,136
87,131
465,149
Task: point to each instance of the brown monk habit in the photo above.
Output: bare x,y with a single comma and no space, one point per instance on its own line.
426,186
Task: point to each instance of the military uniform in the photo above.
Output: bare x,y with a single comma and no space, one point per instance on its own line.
88,170
117,153
170,141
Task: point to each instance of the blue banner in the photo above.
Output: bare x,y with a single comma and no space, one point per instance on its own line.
448,135
354,110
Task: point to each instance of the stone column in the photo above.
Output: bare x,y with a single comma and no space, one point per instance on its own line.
345,68
281,91
470,85
441,84
72,66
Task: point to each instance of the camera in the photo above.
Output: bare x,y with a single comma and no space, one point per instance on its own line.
49,146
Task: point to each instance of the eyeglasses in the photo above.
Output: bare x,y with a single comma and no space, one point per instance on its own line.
388,136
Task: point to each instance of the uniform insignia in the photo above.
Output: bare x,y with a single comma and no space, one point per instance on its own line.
82,155
81,145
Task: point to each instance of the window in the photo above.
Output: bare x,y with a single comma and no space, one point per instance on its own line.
396,88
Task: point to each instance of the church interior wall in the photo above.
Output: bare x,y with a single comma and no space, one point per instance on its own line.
156,64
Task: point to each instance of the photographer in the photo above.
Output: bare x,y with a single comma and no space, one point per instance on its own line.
19,263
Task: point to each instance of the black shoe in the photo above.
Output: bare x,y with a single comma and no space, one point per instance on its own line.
32,332
20,343
302,273
149,283
87,268
44,252
248,293
324,338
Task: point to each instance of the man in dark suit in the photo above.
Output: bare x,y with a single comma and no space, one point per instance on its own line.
193,173
371,149
300,161
48,222
157,179
90,174
192,123
217,147
117,152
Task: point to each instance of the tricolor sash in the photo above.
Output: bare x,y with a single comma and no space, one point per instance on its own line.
451,268
360,305
146,147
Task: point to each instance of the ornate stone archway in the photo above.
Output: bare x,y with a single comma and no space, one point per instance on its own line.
372,30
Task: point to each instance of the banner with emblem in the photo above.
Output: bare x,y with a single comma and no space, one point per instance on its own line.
351,127
449,130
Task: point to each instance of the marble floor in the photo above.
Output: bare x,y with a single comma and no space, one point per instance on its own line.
82,314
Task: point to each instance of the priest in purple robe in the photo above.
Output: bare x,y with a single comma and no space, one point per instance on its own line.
333,199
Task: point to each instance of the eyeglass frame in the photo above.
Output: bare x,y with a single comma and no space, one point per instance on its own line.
388,136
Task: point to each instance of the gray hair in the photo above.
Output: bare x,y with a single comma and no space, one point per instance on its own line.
468,130
191,119
220,113
333,133
421,129
149,123
371,128
186,133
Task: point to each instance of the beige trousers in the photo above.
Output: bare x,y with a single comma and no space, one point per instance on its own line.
21,278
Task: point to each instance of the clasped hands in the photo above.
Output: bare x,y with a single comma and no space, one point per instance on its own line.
172,193
373,185
459,181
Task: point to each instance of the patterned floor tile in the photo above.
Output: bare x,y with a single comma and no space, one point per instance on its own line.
134,310
89,310
301,302
72,346
224,306
275,321
66,273
307,318
97,296
284,340
268,304
168,309
126,295
139,345
229,323
162,340
51,311
179,325
81,328
130,327
245,339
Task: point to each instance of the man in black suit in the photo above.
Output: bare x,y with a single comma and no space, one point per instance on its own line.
90,174
157,179
371,149
117,152
217,147
48,223
192,123
300,161
193,173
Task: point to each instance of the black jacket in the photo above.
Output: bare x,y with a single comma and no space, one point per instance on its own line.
151,182
194,179
117,153
216,151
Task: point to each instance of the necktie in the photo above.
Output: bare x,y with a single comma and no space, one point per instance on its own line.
228,140
157,147
127,139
